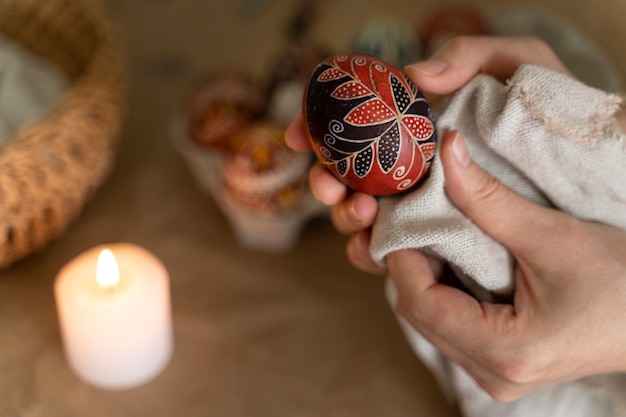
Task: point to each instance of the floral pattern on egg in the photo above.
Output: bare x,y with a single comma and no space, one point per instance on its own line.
369,124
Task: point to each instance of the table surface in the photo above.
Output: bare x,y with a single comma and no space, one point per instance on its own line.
295,334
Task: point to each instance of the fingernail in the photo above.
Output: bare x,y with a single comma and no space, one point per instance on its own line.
430,67
352,213
460,150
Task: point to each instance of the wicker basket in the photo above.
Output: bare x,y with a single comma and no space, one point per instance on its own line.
50,168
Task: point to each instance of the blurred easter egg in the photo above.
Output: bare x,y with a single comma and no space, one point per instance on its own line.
449,21
369,124
392,41
289,73
220,107
285,103
262,174
294,63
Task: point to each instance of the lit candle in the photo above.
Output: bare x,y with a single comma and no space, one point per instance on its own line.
115,316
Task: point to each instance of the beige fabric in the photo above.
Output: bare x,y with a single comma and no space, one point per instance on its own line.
547,136
29,85
555,141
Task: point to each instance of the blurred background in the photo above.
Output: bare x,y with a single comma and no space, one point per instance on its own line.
249,33
289,332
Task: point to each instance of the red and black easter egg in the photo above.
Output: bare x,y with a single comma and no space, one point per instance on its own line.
369,124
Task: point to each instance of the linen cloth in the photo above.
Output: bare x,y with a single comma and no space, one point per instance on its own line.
555,141
29,85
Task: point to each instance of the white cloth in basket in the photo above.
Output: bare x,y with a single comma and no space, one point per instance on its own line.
553,140
29,85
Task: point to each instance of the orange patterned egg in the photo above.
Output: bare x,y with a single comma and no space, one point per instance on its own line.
262,174
369,124
220,107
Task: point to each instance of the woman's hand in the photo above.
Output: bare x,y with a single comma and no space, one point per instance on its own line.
566,320
462,58
455,64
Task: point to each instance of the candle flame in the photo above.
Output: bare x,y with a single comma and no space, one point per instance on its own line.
107,271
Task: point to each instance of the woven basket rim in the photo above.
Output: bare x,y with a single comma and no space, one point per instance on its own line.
51,167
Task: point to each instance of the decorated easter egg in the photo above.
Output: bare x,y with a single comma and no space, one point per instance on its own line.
262,174
220,107
369,124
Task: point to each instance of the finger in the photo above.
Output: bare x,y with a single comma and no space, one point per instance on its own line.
462,58
428,301
359,255
356,213
295,135
325,186
452,320
436,311
524,227
464,330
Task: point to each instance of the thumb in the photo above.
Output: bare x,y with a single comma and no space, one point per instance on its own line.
517,223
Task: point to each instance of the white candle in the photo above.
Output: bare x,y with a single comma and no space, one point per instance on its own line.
115,318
